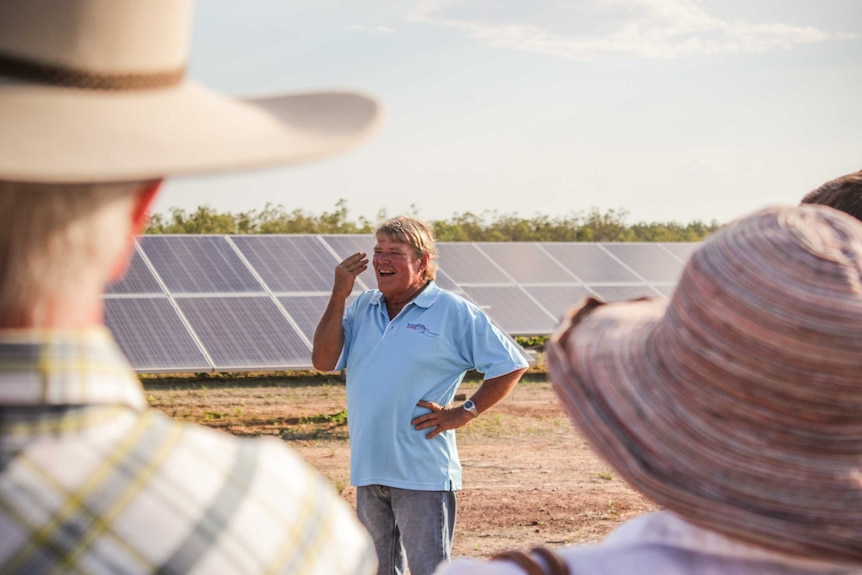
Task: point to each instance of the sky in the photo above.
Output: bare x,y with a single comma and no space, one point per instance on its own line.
664,110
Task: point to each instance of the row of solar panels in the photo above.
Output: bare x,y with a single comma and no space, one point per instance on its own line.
251,302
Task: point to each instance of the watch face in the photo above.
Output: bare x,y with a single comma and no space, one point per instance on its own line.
470,406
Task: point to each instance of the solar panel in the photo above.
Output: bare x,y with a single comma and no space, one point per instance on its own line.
665,290
649,261
152,335
306,311
682,250
289,263
138,279
246,333
444,281
558,299
526,263
624,292
589,263
465,264
199,264
346,245
259,298
512,309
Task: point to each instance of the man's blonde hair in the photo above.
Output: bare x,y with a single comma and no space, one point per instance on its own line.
56,238
417,234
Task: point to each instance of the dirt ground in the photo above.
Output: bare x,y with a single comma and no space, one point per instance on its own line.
529,479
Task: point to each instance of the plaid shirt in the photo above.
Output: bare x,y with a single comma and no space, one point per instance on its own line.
93,482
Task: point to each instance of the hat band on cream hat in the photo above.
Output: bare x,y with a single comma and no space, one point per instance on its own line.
66,77
96,44
95,90
738,402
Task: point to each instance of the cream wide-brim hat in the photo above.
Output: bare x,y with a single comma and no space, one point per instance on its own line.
95,90
737,403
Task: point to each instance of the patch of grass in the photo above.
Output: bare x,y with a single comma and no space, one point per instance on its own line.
319,426
486,425
312,433
339,418
282,404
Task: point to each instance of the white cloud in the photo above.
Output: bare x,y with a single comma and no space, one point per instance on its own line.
658,29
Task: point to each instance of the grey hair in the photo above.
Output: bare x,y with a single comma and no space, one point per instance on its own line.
56,239
418,235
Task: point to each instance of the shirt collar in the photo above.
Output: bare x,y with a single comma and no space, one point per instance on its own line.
59,367
426,297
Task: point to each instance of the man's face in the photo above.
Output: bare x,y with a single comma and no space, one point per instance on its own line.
399,271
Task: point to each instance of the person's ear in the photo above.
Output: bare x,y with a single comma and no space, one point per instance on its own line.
424,261
140,211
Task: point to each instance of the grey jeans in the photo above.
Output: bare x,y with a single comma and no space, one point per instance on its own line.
408,527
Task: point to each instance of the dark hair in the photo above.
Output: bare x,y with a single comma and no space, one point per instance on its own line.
844,193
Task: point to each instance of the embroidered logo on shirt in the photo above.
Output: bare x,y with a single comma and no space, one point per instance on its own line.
420,328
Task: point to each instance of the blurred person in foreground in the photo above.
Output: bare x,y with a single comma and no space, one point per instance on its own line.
843,193
736,405
406,347
94,111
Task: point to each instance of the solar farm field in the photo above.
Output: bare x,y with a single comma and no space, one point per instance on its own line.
528,477
247,303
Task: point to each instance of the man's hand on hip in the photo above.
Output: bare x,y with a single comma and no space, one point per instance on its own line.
441,418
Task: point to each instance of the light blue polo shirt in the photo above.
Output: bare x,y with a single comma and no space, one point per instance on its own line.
423,353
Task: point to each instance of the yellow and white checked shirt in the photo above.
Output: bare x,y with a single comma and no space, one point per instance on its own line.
93,482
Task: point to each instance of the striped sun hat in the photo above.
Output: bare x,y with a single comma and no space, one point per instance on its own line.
737,403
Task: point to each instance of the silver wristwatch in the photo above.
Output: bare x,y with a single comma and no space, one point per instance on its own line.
470,406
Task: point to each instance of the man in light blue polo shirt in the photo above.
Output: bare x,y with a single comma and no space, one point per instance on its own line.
406,347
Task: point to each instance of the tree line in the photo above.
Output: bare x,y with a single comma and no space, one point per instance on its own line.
592,225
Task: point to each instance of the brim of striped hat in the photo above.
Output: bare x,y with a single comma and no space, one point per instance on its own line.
660,434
